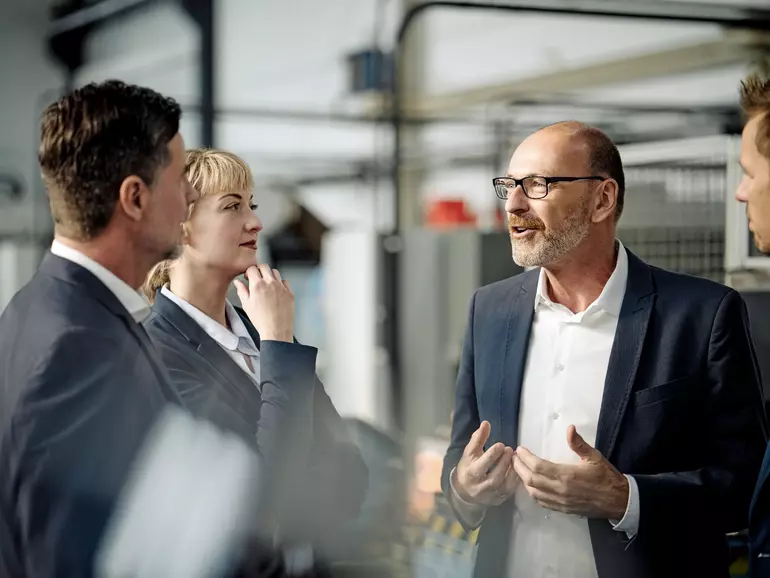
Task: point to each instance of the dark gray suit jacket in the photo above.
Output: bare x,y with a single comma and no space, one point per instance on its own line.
80,385
316,468
682,412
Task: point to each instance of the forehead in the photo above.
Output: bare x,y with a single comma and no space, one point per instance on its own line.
176,148
749,149
549,153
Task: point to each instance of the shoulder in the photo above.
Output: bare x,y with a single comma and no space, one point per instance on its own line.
683,289
506,287
169,341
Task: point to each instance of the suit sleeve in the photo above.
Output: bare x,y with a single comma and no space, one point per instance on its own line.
84,419
466,421
734,435
339,477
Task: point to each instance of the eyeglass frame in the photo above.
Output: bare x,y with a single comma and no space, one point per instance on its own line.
548,181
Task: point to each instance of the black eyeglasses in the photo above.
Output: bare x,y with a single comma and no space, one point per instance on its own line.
534,187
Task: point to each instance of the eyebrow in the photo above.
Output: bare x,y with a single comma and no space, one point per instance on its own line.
236,195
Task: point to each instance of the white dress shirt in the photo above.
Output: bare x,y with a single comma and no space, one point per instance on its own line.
132,300
226,338
563,385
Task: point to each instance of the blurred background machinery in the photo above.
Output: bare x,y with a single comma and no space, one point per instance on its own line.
373,133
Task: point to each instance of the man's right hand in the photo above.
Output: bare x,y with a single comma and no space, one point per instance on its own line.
269,303
485,478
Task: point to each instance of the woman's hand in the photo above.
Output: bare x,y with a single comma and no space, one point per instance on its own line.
269,303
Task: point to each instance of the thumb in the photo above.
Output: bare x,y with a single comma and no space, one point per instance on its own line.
475,446
578,445
243,292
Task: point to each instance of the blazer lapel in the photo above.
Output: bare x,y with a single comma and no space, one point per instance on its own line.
249,326
626,352
521,310
238,390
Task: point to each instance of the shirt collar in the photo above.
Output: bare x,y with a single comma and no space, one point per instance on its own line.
132,300
222,335
611,298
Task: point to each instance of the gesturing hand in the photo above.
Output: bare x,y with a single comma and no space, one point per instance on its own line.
269,303
485,477
592,489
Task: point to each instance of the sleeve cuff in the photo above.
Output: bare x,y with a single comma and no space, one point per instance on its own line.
630,521
471,514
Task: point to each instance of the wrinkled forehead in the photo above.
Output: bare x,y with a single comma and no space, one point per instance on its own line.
550,152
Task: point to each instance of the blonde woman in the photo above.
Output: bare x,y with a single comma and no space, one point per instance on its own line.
240,367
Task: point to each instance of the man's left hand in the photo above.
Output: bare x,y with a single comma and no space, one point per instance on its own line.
591,489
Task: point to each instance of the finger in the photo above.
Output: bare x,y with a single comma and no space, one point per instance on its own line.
241,290
475,446
286,284
482,465
277,275
548,501
495,479
537,465
511,481
578,445
252,275
266,271
533,480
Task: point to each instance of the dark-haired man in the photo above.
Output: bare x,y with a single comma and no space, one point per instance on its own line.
608,415
81,386
754,191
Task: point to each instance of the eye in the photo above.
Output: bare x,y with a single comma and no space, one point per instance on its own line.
253,207
233,207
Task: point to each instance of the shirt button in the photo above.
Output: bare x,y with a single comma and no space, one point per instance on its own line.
554,416
560,367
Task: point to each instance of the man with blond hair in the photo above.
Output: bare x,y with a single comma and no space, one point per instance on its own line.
754,190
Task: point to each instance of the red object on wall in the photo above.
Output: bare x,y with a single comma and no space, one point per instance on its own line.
449,213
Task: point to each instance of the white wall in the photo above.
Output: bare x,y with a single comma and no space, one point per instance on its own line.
30,82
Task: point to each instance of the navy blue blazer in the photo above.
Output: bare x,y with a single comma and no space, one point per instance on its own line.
759,524
321,472
682,412
80,385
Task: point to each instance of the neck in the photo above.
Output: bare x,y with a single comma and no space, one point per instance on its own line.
202,288
116,254
577,281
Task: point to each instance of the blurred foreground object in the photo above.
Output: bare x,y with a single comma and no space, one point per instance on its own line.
189,507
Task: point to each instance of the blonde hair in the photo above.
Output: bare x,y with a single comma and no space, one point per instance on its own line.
210,172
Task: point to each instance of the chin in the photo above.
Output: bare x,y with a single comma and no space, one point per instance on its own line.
762,245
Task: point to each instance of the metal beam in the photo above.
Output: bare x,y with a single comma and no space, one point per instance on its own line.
735,47
202,11
67,34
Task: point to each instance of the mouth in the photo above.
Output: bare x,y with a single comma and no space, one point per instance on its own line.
522,232
250,245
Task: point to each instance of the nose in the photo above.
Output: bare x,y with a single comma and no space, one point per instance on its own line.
741,193
254,224
517,201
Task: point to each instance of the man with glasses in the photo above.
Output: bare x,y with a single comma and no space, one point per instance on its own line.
608,414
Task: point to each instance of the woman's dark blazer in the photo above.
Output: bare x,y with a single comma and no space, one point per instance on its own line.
291,421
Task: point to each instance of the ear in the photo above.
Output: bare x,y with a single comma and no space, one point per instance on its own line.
185,233
605,201
133,197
